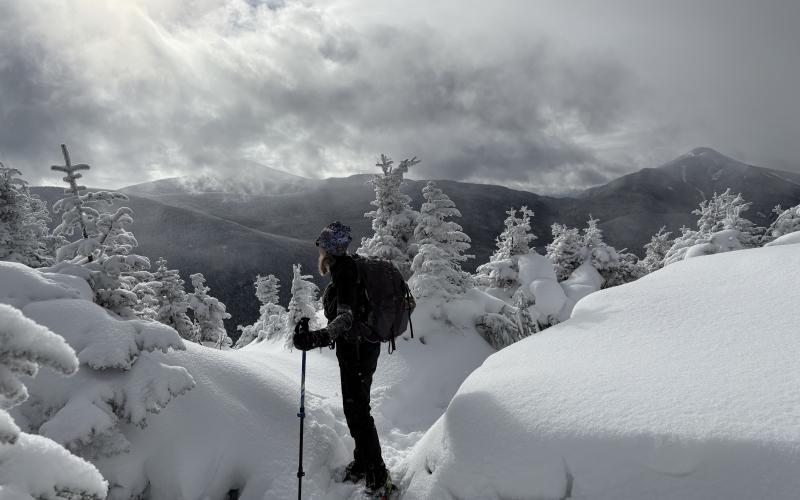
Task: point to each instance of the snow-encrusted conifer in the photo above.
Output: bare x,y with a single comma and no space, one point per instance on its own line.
104,244
442,243
656,250
33,466
565,250
267,289
788,221
501,270
24,235
78,214
24,345
208,313
725,211
681,244
571,248
717,217
119,384
303,303
629,268
526,323
616,267
172,301
501,329
603,256
272,314
393,219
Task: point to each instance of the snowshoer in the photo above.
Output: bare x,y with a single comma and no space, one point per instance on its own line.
345,308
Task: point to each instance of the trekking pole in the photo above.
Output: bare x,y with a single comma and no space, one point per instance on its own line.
302,414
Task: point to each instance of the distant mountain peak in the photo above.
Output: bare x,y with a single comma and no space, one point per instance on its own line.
703,158
709,155
704,150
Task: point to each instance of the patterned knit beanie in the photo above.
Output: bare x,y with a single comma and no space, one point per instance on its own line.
334,238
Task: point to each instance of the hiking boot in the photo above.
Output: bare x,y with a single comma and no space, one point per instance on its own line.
386,492
379,483
354,472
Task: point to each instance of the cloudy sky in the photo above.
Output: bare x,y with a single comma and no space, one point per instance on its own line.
549,95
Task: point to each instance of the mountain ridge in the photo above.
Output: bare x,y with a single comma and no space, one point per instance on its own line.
232,236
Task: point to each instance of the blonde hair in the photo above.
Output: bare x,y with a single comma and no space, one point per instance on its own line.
325,262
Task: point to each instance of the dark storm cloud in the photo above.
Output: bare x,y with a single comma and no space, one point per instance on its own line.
140,95
151,88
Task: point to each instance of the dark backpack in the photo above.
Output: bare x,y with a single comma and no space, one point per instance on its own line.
389,298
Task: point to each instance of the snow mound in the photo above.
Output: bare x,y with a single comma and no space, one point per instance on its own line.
20,285
680,385
236,430
786,239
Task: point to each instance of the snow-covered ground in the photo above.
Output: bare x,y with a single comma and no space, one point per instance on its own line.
681,385
238,429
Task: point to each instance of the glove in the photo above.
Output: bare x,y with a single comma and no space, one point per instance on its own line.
306,340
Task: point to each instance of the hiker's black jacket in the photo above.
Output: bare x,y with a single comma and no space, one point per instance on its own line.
345,306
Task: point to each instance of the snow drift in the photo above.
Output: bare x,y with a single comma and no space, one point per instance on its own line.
680,385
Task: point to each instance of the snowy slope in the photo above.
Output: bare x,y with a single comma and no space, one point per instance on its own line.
238,429
681,385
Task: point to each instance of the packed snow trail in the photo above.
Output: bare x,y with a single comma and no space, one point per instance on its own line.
411,389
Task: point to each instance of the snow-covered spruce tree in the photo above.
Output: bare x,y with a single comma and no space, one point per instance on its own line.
629,269
442,243
656,250
571,248
681,244
272,314
526,323
616,267
303,303
104,246
393,219
725,211
142,283
565,251
499,330
172,301
119,384
501,271
79,215
24,236
788,221
717,217
208,313
33,466
509,324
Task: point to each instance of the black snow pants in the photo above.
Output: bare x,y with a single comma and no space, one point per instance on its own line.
357,363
